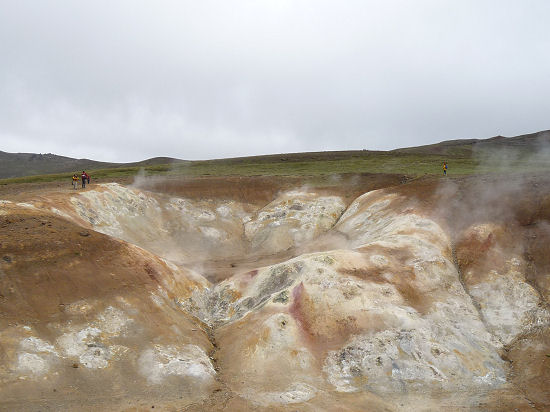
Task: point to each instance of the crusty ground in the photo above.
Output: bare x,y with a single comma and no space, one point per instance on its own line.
36,251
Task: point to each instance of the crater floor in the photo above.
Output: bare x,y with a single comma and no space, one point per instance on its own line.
351,295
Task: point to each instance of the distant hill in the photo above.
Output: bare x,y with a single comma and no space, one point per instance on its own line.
466,154
29,164
454,148
528,143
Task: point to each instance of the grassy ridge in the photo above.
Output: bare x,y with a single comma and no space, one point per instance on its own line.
526,153
316,164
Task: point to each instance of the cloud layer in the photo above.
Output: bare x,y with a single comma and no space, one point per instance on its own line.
128,80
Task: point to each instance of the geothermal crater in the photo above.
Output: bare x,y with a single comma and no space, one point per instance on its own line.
117,297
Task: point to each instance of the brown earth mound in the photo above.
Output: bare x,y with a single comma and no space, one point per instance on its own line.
425,294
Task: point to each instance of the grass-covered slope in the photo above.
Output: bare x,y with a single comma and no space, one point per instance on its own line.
525,153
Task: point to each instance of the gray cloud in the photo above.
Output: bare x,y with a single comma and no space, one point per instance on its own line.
127,80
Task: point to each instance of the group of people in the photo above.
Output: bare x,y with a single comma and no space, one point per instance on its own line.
85,179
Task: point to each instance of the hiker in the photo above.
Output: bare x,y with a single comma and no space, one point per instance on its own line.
445,168
84,178
75,181
87,177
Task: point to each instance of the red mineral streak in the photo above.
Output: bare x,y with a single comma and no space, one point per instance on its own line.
296,307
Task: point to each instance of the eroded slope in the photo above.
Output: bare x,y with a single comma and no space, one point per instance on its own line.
88,320
389,303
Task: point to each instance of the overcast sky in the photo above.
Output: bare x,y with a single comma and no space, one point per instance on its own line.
129,80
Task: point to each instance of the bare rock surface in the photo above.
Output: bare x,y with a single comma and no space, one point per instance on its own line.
92,318
383,303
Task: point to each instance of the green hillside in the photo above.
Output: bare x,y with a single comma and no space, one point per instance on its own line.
520,154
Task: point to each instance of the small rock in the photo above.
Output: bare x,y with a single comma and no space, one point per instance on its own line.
6,259
75,365
84,233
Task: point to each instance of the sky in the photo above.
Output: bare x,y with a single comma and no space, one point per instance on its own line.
128,80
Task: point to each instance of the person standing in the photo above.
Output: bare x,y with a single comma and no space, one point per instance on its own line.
445,168
75,181
84,178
